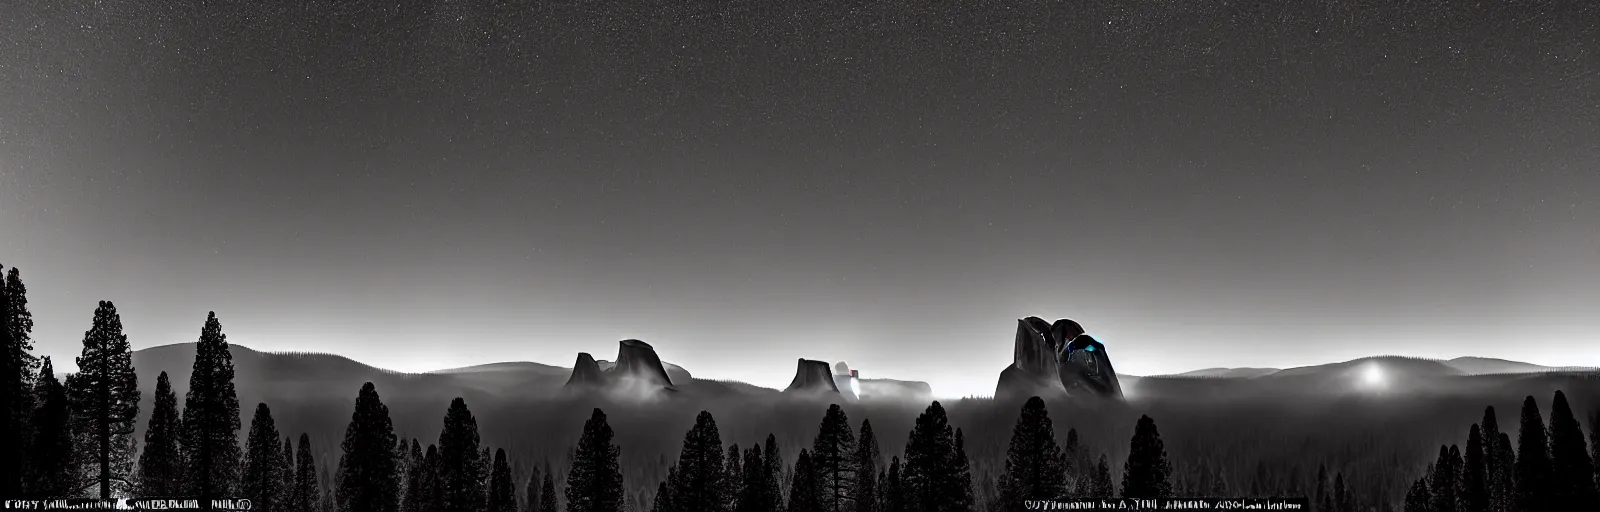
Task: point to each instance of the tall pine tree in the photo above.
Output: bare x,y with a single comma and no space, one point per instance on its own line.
774,477
286,473
664,501
1572,471
701,471
1533,472
1594,444
931,474
833,460
161,461
547,496
1035,467
868,463
461,459
369,475
303,496
961,495
1077,469
1101,484
413,494
1508,471
754,492
50,472
805,490
594,484
532,490
1445,481
894,490
1494,486
733,478
211,419
17,365
1419,498
502,492
1474,481
104,397
1147,473
262,482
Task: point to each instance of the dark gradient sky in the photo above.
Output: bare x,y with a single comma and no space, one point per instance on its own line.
745,183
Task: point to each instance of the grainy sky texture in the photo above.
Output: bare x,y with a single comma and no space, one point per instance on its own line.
744,183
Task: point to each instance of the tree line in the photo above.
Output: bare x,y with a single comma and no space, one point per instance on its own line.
1546,468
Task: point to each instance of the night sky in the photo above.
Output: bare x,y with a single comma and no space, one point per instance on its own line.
1199,183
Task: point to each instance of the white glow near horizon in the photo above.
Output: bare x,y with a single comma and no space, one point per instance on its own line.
1373,376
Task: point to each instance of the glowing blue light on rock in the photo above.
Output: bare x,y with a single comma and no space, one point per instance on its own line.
1089,348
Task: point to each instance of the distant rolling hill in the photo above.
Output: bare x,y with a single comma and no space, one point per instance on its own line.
1228,373
1461,366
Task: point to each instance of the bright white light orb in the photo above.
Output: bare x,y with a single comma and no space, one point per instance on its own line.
1373,376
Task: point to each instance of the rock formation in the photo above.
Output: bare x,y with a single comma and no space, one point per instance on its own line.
637,366
812,377
1086,368
638,360
1046,360
585,372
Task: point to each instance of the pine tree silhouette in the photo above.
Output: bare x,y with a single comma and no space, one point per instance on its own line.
1147,473
702,473
663,501
50,472
411,493
260,481
1572,485
1533,471
894,492
773,458
1594,444
461,460
1077,467
833,460
867,466
1419,498
1444,482
1474,487
1035,468
930,473
304,494
1102,484
754,491
286,473
17,365
806,492
1495,486
369,475
1508,471
961,499
547,495
104,398
594,484
733,477
211,420
502,493
430,483
532,490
